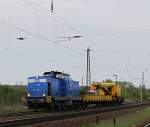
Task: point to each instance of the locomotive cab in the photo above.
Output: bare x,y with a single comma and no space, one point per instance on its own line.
39,92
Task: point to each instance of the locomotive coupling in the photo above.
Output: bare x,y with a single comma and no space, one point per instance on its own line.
48,99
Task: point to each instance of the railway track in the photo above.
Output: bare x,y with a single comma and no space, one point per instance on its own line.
15,114
11,114
147,125
28,119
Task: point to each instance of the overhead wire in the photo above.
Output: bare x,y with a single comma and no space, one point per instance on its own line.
22,5
116,64
4,22
71,27
119,32
31,4
75,29
12,50
12,26
86,35
15,38
70,1
55,26
53,14
59,19
89,35
126,65
99,34
12,6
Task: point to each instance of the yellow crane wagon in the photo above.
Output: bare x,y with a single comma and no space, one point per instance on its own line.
103,93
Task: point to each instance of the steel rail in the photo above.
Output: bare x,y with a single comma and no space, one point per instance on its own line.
147,125
63,115
15,114
10,114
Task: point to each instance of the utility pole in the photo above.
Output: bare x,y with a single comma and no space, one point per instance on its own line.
141,93
143,79
82,81
88,73
142,86
116,78
52,6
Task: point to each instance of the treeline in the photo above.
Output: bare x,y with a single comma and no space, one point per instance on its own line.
11,94
130,91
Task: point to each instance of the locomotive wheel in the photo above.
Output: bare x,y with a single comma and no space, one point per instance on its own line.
56,106
120,100
114,101
84,104
50,107
35,109
62,105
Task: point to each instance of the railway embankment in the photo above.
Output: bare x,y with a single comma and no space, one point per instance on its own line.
124,118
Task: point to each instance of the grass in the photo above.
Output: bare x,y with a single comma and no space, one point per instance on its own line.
127,120
13,108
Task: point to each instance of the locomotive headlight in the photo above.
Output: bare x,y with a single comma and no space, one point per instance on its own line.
28,95
44,95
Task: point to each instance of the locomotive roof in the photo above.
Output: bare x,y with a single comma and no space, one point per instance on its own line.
55,72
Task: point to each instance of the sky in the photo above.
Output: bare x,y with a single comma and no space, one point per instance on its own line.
117,31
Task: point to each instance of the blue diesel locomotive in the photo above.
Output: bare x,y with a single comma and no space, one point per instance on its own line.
52,90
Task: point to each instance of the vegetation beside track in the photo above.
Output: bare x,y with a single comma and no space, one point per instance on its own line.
13,108
10,98
130,120
11,94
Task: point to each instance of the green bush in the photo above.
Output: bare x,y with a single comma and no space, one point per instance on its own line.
11,94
